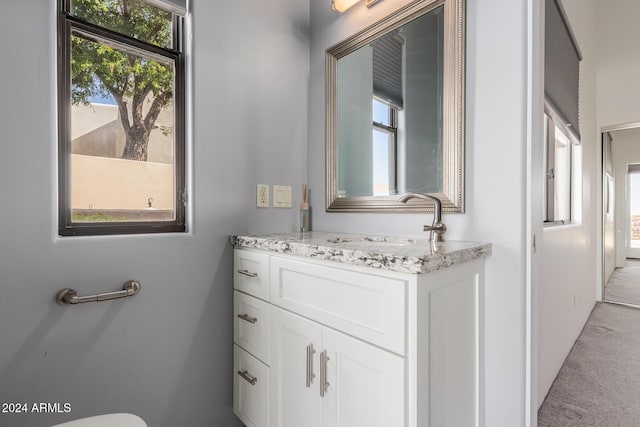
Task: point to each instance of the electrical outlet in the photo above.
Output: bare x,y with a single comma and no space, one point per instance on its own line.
262,196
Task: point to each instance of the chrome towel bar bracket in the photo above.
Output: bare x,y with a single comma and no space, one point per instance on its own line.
69,296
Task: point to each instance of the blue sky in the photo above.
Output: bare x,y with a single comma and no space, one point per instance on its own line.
99,99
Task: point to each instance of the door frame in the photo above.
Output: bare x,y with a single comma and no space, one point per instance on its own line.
603,176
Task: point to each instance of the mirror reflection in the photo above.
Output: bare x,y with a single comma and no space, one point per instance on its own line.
621,215
390,112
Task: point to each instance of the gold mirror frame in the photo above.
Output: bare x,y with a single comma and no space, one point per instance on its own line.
452,196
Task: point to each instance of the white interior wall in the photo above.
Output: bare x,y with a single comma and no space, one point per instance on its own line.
618,91
496,120
618,62
422,118
355,92
165,354
566,255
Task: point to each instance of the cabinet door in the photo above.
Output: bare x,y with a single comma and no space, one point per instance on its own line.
366,384
291,402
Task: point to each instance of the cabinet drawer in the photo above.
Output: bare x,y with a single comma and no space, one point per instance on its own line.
251,325
250,389
251,273
368,306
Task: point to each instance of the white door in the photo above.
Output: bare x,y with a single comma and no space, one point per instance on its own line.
294,398
365,384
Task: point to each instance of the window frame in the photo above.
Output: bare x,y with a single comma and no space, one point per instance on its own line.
392,130
553,121
67,24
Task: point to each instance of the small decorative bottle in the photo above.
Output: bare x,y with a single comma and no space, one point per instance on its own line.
305,224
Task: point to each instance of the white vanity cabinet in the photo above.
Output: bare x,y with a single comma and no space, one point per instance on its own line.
251,326
354,346
323,378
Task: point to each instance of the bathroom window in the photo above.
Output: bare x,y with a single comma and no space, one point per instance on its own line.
121,117
563,153
562,189
384,149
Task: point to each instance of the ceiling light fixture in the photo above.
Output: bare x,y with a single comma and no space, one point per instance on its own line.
342,5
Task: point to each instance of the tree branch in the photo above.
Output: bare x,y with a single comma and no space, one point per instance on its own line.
156,106
124,112
122,106
126,12
138,105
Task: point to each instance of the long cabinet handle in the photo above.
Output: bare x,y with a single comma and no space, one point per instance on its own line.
248,377
310,374
324,384
247,273
248,318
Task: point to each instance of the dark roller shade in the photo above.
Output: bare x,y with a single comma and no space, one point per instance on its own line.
561,66
388,62
635,168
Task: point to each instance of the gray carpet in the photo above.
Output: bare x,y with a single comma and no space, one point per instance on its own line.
624,284
599,383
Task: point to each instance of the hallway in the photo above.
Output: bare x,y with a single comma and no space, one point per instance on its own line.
599,382
624,284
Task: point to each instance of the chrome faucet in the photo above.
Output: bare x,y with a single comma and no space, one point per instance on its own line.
437,228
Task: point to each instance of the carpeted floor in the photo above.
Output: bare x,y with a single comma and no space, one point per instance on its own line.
624,284
599,383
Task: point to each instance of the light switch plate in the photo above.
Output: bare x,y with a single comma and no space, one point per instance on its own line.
281,196
262,196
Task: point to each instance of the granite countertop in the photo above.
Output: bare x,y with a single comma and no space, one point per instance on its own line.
403,254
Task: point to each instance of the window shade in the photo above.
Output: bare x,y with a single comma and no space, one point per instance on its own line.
562,66
634,169
176,6
388,61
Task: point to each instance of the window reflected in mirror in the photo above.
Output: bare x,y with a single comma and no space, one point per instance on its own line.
384,149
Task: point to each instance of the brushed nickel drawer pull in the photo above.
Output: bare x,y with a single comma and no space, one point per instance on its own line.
248,318
310,374
247,377
247,273
324,384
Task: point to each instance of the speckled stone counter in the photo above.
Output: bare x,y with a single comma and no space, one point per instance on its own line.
407,255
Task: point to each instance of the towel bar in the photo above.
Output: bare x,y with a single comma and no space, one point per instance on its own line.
69,296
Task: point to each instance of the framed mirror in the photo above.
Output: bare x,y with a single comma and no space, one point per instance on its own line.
395,112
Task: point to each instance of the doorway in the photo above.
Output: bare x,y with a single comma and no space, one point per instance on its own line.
632,212
621,214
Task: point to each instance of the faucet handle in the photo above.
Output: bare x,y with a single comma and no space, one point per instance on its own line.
437,231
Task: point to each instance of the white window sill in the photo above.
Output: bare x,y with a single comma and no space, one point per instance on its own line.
559,225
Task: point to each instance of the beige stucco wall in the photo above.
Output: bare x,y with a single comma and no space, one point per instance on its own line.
104,183
96,130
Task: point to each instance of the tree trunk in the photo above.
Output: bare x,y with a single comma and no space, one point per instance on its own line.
137,144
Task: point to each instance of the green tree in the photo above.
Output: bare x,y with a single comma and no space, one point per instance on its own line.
141,86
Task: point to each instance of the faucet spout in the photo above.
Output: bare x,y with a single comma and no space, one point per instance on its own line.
437,228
